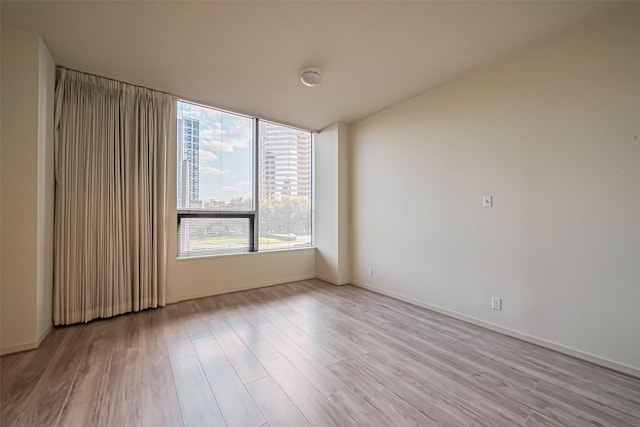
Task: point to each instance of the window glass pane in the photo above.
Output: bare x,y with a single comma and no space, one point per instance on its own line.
202,236
284,187
215,159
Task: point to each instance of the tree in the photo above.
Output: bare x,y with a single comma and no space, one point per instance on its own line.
285,215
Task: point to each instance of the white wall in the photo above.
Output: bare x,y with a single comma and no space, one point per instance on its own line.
199,277
332,204
45,189
553,133
27,190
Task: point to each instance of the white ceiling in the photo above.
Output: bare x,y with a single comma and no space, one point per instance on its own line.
246,56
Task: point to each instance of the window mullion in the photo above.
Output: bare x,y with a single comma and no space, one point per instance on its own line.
256,185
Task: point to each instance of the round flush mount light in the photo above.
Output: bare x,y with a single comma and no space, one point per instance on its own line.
310,76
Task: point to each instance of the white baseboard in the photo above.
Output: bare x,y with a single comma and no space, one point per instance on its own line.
19,347
330,281
31,345
210,293
44,334
610,364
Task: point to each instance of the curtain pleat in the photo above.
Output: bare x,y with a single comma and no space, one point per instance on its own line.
111,146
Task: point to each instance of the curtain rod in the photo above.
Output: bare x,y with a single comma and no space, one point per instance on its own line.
276,122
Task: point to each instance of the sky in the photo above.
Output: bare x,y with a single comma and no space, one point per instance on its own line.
225,152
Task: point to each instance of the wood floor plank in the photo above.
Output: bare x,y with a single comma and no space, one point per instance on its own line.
399,411
49,396
177,339
121,405
159,399
311,346
303,353
321,378
313,405
246,304
609,388
337,334
199,406
242,360
537,420
244,330
360,409
82,406
19,374
438,376
236,405
592,409
446,389
274,404
194,320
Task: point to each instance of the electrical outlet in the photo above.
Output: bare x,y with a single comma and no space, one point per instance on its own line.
496,303
370,271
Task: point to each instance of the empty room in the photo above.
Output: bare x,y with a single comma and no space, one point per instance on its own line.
320,213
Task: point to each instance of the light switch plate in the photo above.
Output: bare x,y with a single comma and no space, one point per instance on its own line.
487,201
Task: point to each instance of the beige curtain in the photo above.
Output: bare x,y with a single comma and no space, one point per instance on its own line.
111,146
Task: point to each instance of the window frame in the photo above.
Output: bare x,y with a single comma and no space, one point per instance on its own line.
201,213
252,215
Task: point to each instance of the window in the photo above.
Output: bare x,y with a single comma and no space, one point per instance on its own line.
243,184
285,186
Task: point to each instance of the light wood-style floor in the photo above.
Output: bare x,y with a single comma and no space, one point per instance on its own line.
301,354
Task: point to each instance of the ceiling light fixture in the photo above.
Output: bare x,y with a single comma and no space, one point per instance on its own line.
310,76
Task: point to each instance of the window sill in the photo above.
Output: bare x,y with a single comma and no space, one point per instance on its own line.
234,254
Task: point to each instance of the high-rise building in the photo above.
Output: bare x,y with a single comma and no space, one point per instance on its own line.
285,158
189,162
